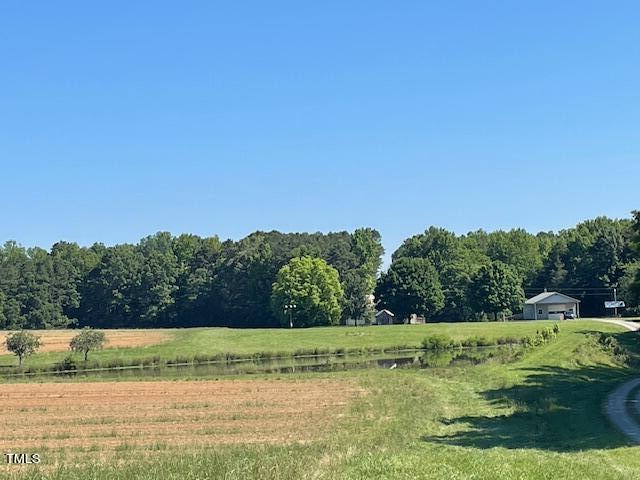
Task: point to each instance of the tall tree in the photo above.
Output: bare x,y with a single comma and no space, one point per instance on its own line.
307,292
497,288
517,248
411,286
593,255
3,316
111,294
245,280
359,283
357,301
455,261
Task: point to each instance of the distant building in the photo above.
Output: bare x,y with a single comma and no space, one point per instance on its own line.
550,306
416,319
385,317
352,322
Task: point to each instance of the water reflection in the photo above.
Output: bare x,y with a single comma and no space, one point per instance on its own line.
329,363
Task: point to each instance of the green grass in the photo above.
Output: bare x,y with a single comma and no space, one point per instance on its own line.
538,418
187,343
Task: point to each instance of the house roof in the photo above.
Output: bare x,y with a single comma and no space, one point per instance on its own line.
546,297
385,311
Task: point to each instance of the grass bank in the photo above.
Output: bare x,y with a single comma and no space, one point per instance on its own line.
187,345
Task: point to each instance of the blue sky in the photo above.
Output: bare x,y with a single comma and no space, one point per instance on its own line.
119,119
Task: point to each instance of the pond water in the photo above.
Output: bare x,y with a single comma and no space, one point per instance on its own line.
324,363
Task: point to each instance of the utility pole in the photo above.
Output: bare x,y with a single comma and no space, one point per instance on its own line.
289,308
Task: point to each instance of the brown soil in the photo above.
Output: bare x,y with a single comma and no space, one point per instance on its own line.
108,415
58,340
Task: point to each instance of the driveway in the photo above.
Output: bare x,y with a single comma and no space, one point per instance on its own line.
624,398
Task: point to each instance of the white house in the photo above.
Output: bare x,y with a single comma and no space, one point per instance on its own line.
550,306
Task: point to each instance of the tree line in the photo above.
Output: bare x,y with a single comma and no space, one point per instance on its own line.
273,279
447,277
176,281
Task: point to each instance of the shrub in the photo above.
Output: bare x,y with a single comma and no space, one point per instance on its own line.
546,334
527,341
438,342
470,342
612,345
68,363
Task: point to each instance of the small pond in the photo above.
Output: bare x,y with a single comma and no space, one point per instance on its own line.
322,363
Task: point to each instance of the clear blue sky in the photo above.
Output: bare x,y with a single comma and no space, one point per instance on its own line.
119,119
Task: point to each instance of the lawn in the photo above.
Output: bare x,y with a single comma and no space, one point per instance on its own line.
538,418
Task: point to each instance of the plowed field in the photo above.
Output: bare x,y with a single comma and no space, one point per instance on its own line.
109,415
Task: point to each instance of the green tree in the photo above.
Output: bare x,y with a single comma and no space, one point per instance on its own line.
357,303
196,302
455,259
367,246
88,339
112,290
518,249
411,286
245,281
158,273
313,287
437,245
22,344
3,316
359,283
630,288
593,254
496,288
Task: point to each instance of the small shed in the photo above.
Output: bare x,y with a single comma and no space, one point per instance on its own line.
415,319
385,317
550,306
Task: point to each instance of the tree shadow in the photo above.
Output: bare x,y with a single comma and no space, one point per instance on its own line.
557,409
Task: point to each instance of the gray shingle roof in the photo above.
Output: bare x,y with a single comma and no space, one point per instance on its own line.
541,297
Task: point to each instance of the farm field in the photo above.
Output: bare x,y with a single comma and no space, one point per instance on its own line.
131,346
106,415
58,340
539,417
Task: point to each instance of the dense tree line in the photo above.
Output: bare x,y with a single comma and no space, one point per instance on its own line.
187,280
167,281
482,274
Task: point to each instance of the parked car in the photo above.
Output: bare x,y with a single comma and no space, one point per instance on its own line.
570,315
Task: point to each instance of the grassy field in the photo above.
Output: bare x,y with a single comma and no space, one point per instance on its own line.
538,418
170,344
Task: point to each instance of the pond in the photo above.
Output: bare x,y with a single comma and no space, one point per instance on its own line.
416,359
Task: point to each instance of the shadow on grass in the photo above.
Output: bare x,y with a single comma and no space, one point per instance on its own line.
555,409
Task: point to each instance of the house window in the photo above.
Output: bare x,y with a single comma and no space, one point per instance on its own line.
539,311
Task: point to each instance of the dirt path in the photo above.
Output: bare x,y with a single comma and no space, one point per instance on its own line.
623,323
624,397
